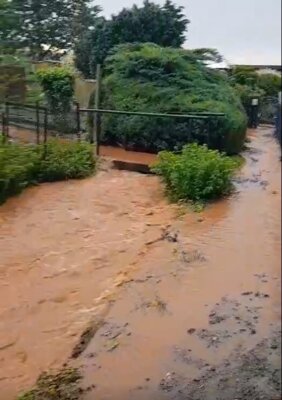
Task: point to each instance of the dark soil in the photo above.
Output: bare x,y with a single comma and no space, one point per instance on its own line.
251,375
248,374
254,375
86,337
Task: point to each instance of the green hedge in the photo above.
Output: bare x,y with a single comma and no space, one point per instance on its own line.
197,173
146,77
23,165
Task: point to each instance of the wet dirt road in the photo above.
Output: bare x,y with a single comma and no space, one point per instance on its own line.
169,295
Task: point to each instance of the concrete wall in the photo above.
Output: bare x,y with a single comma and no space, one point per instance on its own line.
82,90
12,83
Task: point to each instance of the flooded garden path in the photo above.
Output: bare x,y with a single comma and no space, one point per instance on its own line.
147,299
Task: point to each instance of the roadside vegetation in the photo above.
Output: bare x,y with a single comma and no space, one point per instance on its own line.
196,174
25,165
249,84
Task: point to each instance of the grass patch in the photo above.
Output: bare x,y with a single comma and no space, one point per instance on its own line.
63,385
24,165
197,174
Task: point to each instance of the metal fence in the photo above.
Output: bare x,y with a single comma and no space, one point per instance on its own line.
268,110
34,123
39,121
198,127
261,111
278,127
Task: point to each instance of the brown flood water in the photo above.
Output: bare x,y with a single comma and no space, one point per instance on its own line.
111,247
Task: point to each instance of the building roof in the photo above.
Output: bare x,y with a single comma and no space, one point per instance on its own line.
277,68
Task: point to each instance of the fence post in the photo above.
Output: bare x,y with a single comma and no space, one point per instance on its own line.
191,130
45,125
37,123
97,116
208,132
78,120
4,127
7,118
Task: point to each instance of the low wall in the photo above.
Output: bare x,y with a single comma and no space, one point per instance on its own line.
82,90
12,83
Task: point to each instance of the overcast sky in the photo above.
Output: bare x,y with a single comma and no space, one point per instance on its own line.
244,31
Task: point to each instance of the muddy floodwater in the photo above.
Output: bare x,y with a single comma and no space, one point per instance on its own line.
148,300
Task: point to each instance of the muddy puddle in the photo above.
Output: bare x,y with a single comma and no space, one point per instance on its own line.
162,298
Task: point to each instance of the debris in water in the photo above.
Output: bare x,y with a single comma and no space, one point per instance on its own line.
113,345
246,293
63,385
86,337
192,256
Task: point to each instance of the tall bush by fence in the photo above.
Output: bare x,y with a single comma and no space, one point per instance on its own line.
154,79
58,86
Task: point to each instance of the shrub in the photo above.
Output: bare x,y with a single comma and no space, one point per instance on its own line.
66,160
18,168
21,166
270,84
58,87
146,77
197,173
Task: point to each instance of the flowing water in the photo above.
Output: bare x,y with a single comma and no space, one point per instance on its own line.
173,291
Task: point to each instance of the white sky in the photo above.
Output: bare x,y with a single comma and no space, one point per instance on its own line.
244,31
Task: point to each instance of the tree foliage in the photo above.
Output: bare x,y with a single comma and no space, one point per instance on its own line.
249,84
244,76
270,84
57,84
9,23
164,25
43,26
58,87
149,78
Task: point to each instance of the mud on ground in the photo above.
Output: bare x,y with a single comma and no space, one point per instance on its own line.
146,301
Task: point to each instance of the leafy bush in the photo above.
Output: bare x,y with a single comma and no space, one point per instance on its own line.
58,87
270,84
197,173
248,84
146,77
21,166
18,168
260,84
66,160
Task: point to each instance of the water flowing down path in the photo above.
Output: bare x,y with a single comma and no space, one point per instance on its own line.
172,295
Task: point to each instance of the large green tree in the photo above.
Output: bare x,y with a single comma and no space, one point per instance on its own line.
46,25
164,25
9,24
